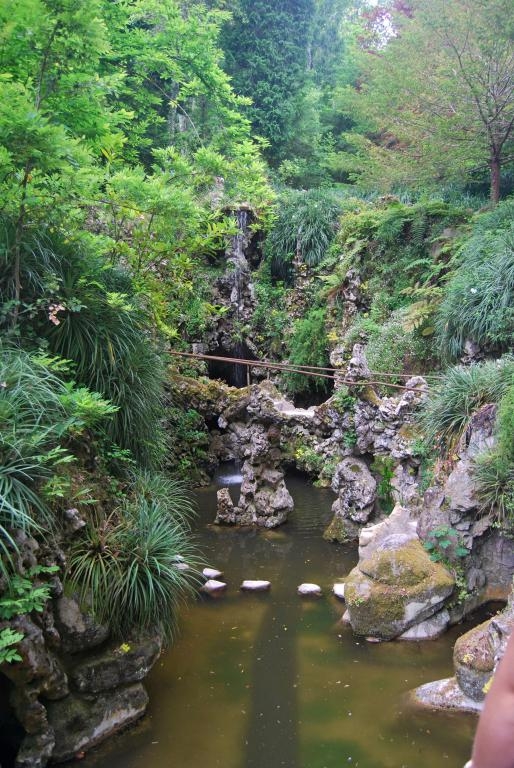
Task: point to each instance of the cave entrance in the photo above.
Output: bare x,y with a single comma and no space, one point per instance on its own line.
11,731
233,374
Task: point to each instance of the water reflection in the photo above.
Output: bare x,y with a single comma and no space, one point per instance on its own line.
272,680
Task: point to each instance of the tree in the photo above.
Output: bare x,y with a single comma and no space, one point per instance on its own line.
439,93
266,55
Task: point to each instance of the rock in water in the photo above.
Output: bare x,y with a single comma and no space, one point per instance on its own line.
309,590
255,585
212,573
213,587
338,590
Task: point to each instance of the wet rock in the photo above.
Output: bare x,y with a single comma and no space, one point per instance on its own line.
399,525
117,666
82,721
212,573
78,630
213,587
225,508
338,591
429,629
394,588
443,695
357,489
309,590
255,585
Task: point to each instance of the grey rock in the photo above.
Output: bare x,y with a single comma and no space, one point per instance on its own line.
255,585
117,666
429,629
213,587
78,630
309,590
82,721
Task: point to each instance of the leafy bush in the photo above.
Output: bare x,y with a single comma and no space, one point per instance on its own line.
479,300
128,567
98,325
391,348
444,544
305,227
38,412
308,347
460,393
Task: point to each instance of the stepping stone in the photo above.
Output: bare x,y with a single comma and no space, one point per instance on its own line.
309,590
255,585
182,566
213,587
212,573
338,591
346,618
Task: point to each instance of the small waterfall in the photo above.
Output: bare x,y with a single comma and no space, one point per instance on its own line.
237,297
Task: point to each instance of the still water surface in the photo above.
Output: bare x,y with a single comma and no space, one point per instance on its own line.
272,680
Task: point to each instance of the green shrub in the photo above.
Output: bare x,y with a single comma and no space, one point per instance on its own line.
127,567
460,393
479,300
308,347
391,348
305,227
101,329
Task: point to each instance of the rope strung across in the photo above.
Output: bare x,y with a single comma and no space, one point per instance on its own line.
306,370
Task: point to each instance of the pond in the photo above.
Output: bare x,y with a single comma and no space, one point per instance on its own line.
271,680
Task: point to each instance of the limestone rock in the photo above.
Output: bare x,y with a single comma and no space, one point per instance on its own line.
255,585
78,630
338,591
309,590
81,721
225,509
429,629
356,487
212,573
396,587
117,666
399,524
444,695
213,587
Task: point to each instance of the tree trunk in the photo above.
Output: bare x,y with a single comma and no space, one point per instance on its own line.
495,166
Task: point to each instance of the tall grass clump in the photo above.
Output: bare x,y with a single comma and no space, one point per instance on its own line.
102,329
493,470
128,568
479,299
461,392
304,229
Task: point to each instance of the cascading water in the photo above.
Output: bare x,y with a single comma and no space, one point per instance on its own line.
237,297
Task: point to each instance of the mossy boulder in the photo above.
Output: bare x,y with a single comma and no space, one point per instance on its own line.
397,587
474,661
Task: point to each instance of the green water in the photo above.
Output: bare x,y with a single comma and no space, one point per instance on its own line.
271,680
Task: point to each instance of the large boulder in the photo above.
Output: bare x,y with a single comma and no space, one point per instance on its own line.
357,492
117,666
475,656
80,721
395,588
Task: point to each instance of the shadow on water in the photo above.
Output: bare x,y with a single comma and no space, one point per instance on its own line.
273,680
